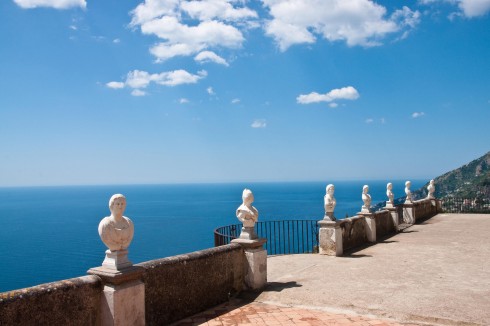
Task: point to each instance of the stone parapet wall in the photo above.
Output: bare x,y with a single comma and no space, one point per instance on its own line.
180,286
353,232
74,301
425,208
384,224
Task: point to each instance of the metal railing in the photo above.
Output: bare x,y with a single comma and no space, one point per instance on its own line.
283,237
465,205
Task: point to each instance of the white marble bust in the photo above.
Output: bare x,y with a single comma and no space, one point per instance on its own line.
390,195
431,188
366,198
408,200
246,213
116,230
330,202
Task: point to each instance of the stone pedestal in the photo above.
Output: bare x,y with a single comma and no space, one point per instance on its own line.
370,224
330,238
408,214
116,260
394,215
123,299
255,262
248,233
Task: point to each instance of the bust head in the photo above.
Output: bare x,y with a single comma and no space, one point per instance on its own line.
431,182
408,184
117,204
330,189
365,189
389,186
247,196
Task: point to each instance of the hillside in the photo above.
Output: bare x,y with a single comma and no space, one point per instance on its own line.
469,181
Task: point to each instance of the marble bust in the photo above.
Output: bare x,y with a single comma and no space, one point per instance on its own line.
408,200
366,198
116,230
330,202
247,215
431,188
390,195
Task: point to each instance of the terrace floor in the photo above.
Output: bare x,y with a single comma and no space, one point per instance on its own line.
433,273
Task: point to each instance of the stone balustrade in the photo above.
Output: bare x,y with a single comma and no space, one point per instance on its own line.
166,290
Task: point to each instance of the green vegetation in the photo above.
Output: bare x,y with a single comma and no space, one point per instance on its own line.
469,181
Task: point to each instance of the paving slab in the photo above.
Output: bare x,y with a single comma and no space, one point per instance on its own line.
436,272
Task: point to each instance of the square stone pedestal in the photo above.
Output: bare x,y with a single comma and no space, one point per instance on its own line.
330,238
408,214
370,224
123,299
394,215
255,262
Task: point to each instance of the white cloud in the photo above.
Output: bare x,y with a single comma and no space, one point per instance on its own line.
73,27
474,8
115,85
344,93
217,25
116,41
382,120
416,115
183,101
138,92
217,9
369,120
357,22
209,56
469,8
333,105
210,91
259,123
139,79
235,101
57,4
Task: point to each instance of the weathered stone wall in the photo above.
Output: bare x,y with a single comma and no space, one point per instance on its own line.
353,232
180,286
69,302
424,208
384,224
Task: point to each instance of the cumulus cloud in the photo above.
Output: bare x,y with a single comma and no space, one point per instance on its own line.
344,93
357,22
138,92
217,25
139,79
116,41
416,115
370,120
115,85
209,56
468,8
57,4
183,101
333,105
259,123
210,91
474,8
235,101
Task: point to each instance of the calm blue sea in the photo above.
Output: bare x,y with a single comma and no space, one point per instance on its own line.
50,233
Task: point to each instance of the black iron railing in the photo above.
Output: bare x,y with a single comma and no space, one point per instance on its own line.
465,205
283,237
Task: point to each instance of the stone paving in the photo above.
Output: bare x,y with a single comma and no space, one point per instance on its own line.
433,273
242,312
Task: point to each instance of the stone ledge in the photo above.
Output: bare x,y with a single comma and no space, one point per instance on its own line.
116,277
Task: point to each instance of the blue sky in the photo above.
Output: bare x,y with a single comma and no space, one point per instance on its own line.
165,91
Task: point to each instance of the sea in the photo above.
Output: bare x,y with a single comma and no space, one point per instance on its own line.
50,233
